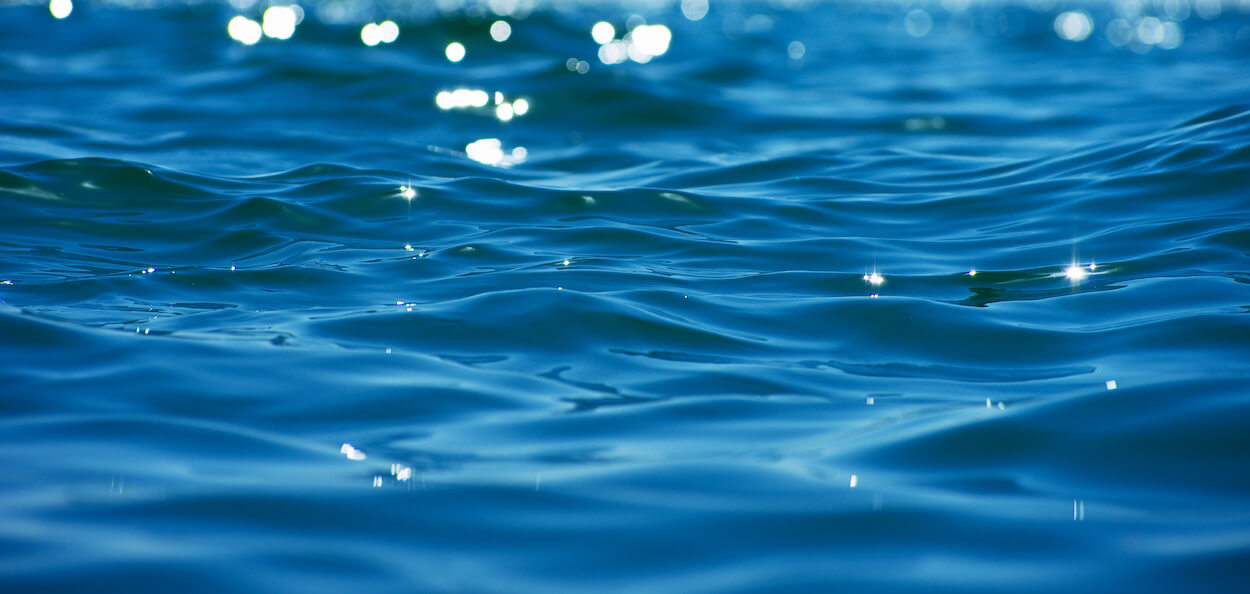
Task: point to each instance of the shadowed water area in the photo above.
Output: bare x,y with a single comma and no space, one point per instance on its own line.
741,297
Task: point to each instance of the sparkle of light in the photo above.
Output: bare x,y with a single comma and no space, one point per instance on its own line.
351,452
487,150
854,481
918,23
796,50
61,8
370,35
500,31
1075,273
279,22
1074,25
462,98
455,51
694,9
1111,385
874,278
504,112
407,192
244,30
603,32
652,40
388,31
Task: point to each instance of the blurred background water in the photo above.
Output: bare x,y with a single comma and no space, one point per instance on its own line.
646,297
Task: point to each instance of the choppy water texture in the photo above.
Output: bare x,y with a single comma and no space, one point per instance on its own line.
281,317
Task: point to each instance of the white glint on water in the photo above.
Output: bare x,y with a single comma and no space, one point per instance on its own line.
455,51
244,30
279,22
603,32
500,31
388,31
1074,26
694,10
351,452
61,8
796,50
917,23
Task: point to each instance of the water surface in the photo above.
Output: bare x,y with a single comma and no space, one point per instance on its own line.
873,296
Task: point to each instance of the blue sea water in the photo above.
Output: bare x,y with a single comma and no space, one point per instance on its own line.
854,296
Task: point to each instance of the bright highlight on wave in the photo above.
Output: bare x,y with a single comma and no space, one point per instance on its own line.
375,33
1077,273
1074,25
244,30
61,8
504,110
279,22
500,31
489,151
455,51
641,44
462,98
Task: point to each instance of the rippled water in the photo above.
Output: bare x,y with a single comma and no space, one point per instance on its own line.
824,297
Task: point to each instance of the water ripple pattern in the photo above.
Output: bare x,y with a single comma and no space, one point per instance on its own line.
688,296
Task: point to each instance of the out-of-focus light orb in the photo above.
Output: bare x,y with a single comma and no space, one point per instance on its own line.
488,151
505,7
504,112
500,31
796,50
652,40
388,31
370,35
455,51
1172,36
1119,32
1150,30
694,10
918,23
1074,25
520,107
351,452
603,32
1175,10
244,30
278,22
1208,9
614,52
61,8
874,278
462,98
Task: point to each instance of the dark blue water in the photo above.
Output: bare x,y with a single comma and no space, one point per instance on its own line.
861,296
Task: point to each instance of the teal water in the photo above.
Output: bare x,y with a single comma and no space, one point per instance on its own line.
860,296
